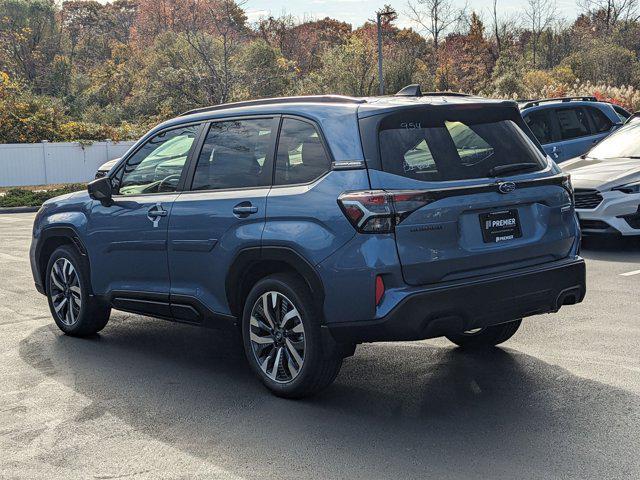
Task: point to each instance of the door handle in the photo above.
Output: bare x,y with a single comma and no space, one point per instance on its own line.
244,209
555,151
155,213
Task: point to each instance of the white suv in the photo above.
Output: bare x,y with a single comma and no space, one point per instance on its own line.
607,184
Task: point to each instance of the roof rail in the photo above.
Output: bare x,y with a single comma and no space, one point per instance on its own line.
414,90
271,101
534,103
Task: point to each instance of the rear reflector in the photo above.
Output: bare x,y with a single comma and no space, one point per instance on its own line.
379,289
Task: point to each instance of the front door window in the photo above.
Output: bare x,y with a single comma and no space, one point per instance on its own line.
157,166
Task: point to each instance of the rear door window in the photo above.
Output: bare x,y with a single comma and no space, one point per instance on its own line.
540,125
455,149
301,155
235,155
573,122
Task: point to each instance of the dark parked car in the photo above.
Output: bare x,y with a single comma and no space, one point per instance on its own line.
313,224
568,127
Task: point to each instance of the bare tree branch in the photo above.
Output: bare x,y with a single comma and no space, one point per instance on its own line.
538,17
435,17
614,11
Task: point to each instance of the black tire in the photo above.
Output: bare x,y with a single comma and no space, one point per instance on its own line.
319,366
486,337
91,316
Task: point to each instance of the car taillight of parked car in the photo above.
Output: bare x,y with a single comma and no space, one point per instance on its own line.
379,211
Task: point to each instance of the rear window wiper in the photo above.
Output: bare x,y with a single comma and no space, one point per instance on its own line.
512,168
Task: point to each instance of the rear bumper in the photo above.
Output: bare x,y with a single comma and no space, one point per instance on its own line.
474,303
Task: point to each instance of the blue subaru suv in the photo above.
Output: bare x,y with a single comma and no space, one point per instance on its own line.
568,127
313,224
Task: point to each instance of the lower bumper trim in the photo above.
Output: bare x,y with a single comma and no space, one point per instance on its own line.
473,304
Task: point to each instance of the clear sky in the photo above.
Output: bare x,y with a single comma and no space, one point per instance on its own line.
357,12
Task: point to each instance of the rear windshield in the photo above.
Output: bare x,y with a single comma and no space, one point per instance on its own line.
451,149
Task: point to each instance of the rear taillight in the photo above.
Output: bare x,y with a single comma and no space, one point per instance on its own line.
379,211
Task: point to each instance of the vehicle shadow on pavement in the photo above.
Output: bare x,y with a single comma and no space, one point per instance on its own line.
396,410
611,248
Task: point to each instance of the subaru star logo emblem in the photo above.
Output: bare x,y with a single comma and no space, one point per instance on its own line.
506,187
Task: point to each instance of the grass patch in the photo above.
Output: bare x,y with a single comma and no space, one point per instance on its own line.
23,197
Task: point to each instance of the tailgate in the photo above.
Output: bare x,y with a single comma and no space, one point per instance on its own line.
470,233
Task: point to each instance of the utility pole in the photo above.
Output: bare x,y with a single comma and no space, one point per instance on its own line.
379,16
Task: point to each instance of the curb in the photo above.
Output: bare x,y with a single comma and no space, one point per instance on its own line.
18,209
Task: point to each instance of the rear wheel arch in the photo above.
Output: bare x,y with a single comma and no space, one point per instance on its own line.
252,264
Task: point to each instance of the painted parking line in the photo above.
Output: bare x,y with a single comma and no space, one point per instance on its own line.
628,274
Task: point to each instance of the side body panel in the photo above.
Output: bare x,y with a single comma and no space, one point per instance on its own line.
308,219
127,248
204,238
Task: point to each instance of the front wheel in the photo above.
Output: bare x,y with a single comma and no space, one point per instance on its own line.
486,337
282,338
75,311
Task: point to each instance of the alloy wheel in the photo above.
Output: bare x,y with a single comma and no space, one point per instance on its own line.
65,291
277,337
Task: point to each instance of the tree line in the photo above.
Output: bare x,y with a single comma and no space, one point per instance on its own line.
86,70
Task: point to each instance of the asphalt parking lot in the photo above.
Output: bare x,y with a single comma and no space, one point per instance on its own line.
151,399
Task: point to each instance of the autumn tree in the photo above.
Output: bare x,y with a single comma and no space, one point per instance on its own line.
468,57
304,43
83,68
276,72
29,41
348,69
404,54
612,12
215,31
158,16
26,117
604,62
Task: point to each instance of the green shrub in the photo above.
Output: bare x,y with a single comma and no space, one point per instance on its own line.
22,197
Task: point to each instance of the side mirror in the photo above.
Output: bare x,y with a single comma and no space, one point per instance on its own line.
101,190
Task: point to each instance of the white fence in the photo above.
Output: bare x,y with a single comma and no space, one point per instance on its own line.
51,163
